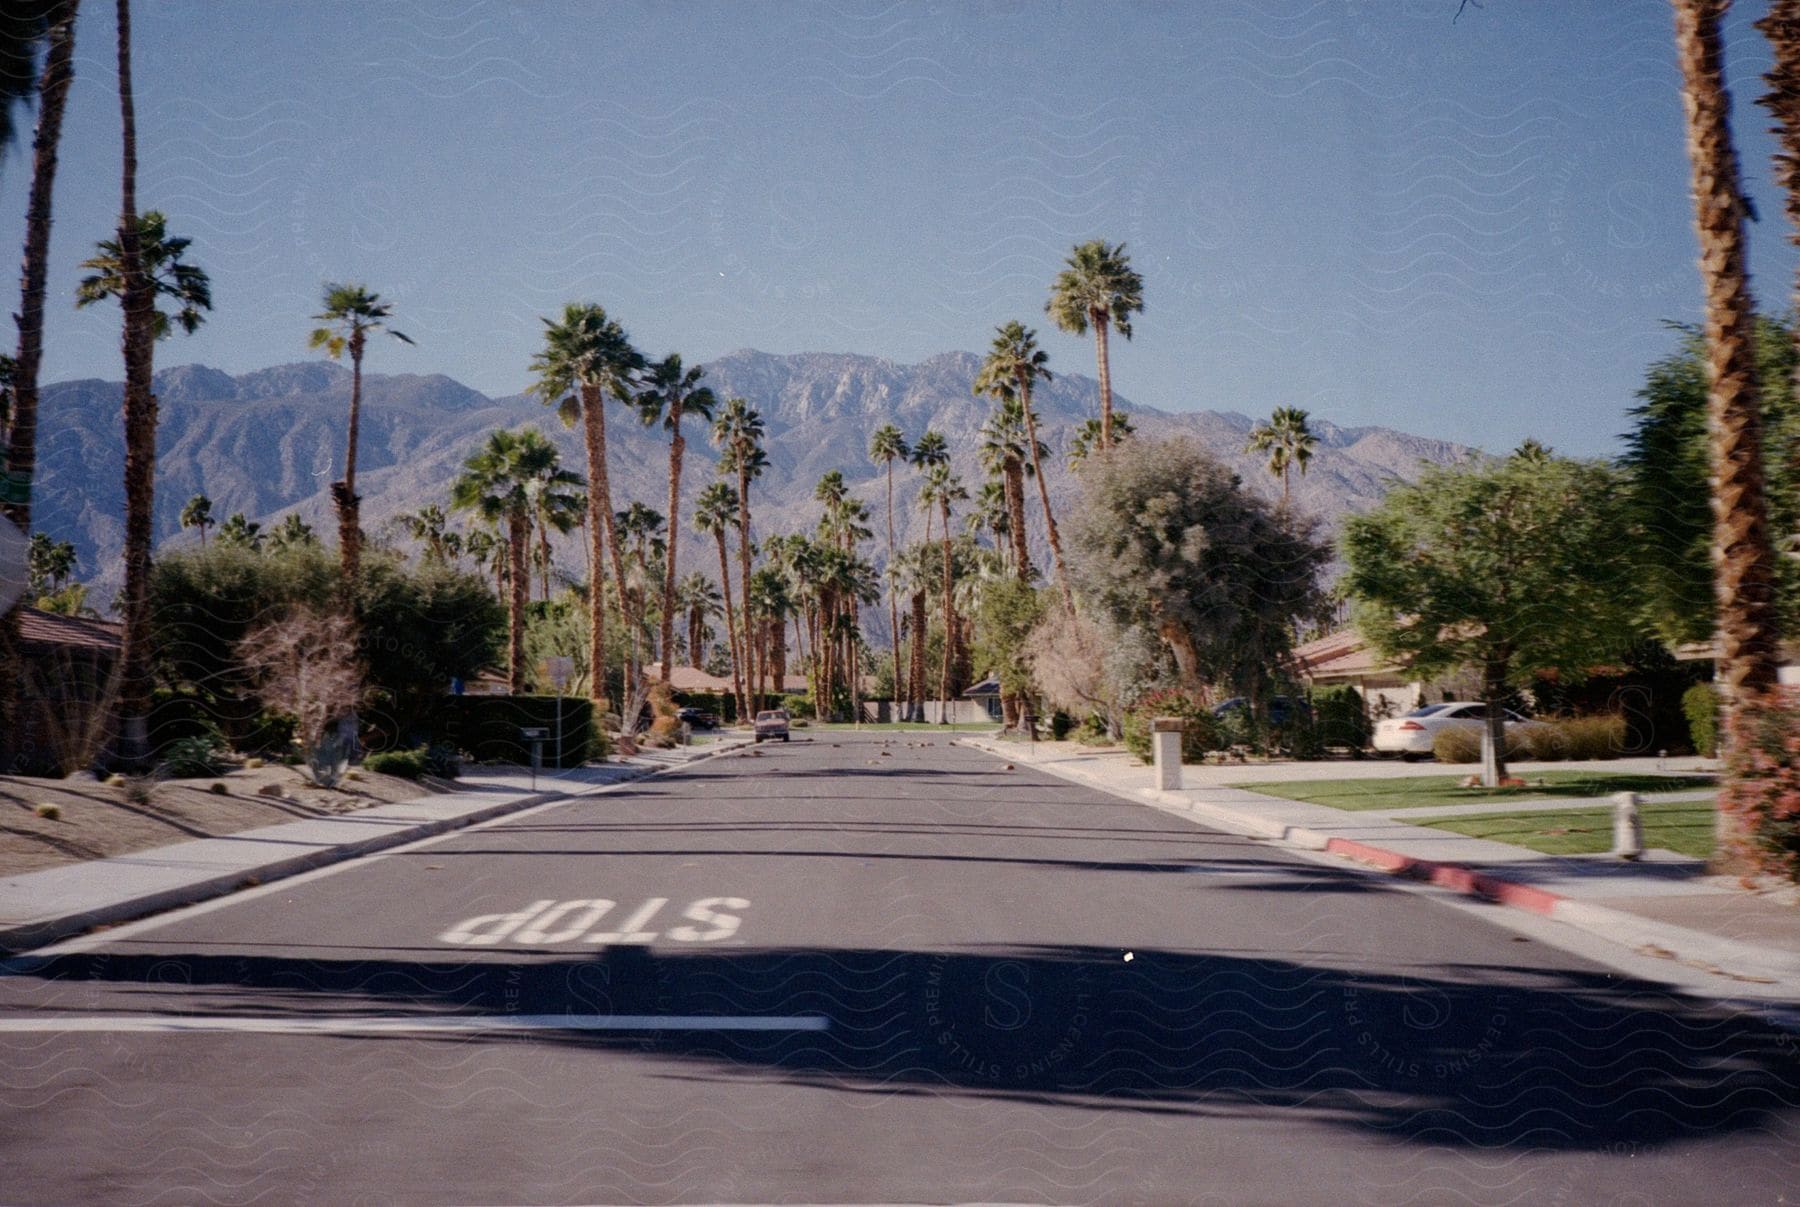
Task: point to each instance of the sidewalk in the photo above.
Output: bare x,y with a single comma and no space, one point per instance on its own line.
1663,904
37,908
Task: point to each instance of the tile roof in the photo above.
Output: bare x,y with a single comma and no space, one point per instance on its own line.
38,627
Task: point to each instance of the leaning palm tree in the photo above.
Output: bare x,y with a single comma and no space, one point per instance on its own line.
496,484
1097,289
887,446
351,312
197,513
1288,442
738,434
585,356
1014,366
672,391
942,489
714,511
1743,557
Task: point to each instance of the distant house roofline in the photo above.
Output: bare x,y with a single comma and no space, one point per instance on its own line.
51,629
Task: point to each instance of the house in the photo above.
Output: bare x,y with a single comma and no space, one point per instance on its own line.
67,693
1343,659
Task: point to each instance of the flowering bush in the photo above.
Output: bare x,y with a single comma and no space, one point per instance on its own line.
1200,736
1762,782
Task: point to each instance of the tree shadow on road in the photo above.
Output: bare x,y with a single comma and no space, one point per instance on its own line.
1469,1056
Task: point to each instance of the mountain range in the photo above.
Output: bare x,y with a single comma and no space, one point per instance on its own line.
270,441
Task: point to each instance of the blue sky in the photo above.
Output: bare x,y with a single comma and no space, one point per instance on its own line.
1470,229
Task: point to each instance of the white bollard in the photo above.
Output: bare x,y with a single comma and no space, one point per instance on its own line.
1628,826
1165,746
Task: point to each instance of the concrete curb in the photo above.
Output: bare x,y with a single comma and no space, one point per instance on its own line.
1695,948
19,938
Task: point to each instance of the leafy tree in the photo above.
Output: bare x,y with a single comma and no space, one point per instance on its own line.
1097,288
197,513
1287,440
351,312
1005,618
1511,568
48,564
496,484
1167,538
585,356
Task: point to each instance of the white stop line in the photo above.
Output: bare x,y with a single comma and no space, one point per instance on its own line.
456,1024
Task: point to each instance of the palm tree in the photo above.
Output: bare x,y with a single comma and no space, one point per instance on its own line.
714,511
913,574
489,555
943,488
20,419
496,484
643,526
23,24
887,446
169,276
1014,366
351,312
292,533
197,513
1003,455
585,356
671,392
558,501
698,597
1087,437
1097,289
1743,558
1287,440
738,434
931,451
240,532
48,564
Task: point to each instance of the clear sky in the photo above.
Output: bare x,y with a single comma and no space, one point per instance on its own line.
1471,229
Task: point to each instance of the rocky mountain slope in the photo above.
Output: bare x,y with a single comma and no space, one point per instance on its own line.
269,442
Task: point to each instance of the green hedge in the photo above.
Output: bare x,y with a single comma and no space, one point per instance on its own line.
486,728
1701,704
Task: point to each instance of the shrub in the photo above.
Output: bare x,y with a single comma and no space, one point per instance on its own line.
664,734
1701,705
219,789
486,728
1762,787
1342,718
48,811
1060,725
442,761
1601,737
1462,744
195,757
406,764
139,789
1545,743
797,705
1200,736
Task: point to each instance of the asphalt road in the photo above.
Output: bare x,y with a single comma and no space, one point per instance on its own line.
855,969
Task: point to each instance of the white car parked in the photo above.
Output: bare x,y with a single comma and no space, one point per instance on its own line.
1411,736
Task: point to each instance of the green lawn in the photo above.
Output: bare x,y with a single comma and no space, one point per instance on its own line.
898,726
1683,826
1426,791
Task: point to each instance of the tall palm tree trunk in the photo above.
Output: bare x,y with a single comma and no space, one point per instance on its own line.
1043,485
915,705
599,528
518,539
731,630
1743,561
949,621
349,507
140,432
21,435
1104,367
1015,514
744,562
677,446
893,592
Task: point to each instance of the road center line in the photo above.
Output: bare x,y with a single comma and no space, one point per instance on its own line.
166,1024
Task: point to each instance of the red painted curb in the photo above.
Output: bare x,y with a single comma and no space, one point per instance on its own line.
1448,875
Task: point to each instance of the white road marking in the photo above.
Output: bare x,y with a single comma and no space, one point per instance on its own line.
166,1024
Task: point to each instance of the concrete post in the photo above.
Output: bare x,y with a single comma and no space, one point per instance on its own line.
1628,826
1165,746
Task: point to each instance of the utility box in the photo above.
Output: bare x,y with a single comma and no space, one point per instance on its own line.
1165,749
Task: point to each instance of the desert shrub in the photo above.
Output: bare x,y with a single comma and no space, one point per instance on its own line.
195,757
442,761
1060,725
1762,785
1700,703
1545,743
140,789
1462,744
1601,737
1238,727
1200,736
797,705
48,810
664,734
406,764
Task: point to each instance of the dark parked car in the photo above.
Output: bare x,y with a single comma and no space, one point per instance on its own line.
698,718
1279,709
